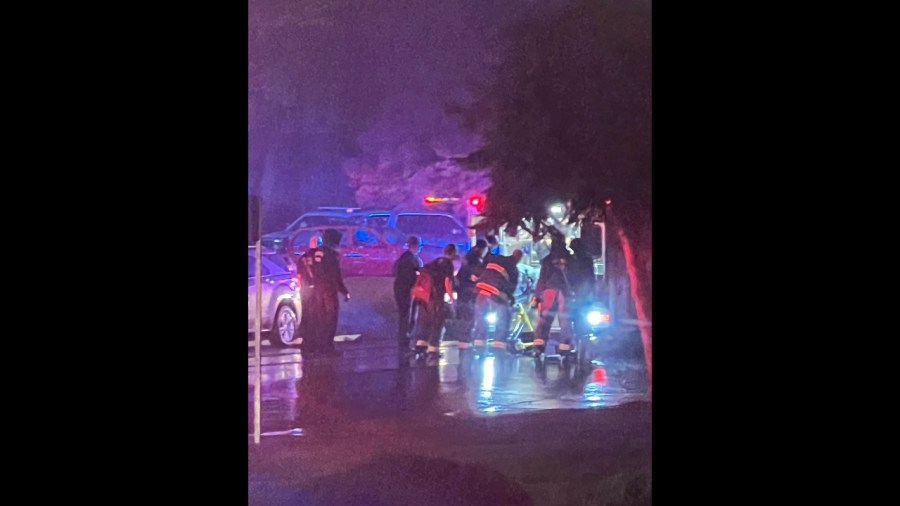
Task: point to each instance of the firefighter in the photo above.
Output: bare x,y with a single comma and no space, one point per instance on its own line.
553,296
405,270
322,270
468,275
436,280
495,294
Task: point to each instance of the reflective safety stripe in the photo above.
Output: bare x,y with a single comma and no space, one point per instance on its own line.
462,345
498,344
491,290
421,342
565,347
499,268
479,342
538,342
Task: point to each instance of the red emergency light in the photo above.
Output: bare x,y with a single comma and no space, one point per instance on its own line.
477,202
599,375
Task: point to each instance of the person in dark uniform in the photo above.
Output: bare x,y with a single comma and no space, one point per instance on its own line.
430,322
554,295
320,315
581,271
405,270
468,275
496,293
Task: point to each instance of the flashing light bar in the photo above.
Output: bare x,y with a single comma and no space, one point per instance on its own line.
434,200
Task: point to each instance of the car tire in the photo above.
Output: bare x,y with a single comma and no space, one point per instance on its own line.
284,327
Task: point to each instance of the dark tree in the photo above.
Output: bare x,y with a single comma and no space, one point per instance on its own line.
567,117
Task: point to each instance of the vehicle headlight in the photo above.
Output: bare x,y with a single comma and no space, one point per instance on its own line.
491,318
596,317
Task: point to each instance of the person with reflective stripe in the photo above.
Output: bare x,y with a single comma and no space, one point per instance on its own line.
321,313
553,294
495,294
468,275
431,315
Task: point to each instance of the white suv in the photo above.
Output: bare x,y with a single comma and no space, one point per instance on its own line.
281,307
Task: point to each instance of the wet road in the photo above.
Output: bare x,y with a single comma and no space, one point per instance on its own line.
365,382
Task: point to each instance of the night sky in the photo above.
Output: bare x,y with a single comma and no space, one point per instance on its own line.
348,81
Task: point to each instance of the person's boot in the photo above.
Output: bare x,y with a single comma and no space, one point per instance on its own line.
421,346
565,348
478,347
538,347
432,355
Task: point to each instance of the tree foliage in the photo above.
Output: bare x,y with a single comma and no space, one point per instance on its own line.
567,114
408,153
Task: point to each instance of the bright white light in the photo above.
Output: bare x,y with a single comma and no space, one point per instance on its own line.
487,382
491,318
556,209
597,317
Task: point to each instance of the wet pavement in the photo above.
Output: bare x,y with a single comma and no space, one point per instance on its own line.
358,429
364,382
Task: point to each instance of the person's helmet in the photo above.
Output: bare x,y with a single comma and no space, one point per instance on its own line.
450,251
576,245
331,237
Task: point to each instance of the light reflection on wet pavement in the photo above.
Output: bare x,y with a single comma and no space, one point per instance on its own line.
365,383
